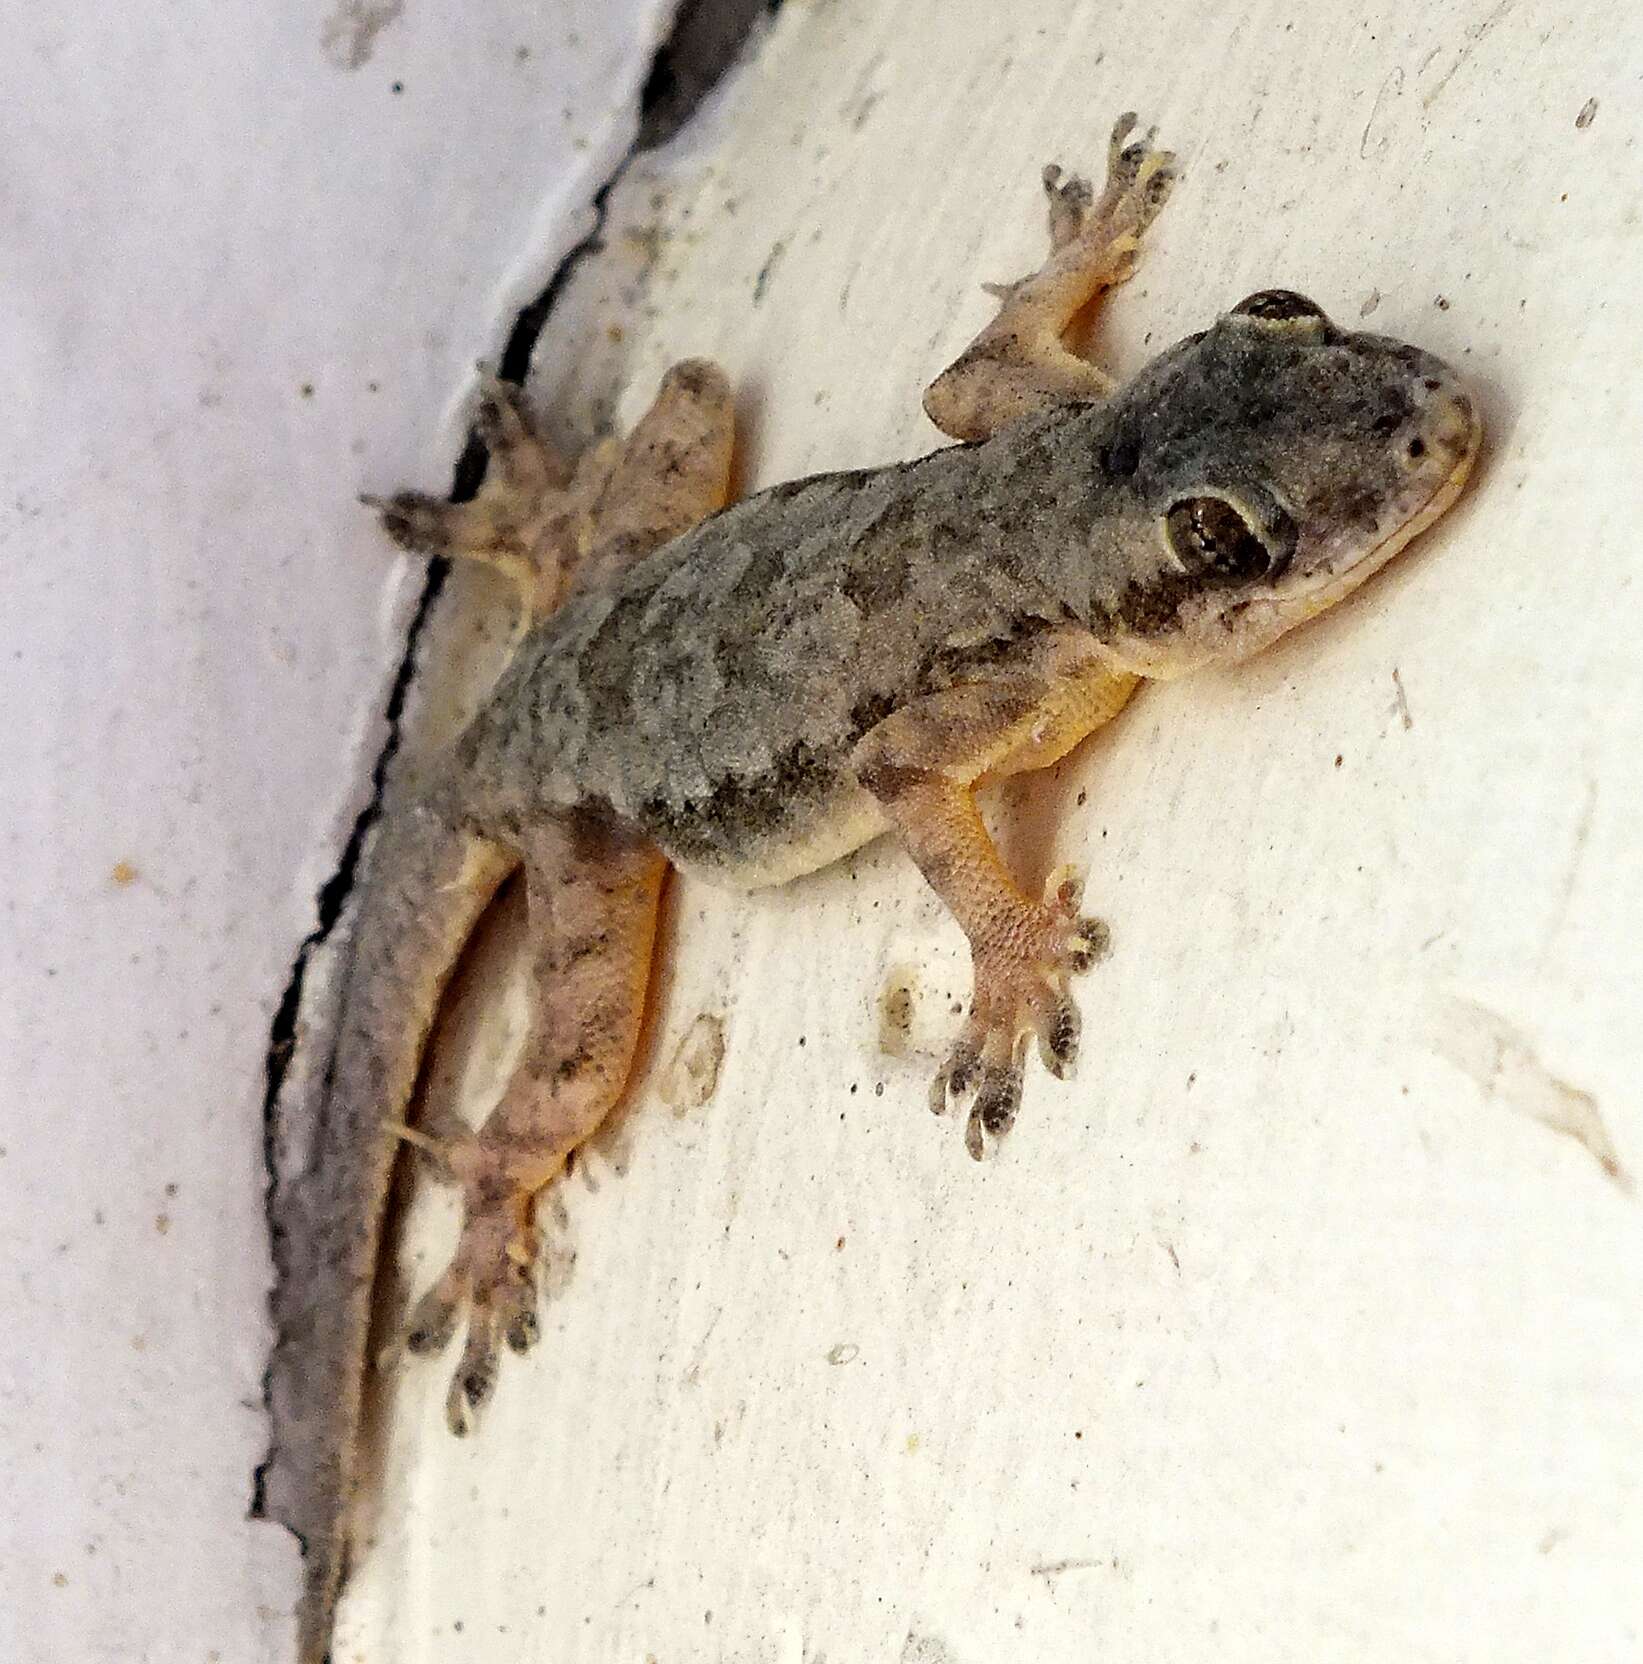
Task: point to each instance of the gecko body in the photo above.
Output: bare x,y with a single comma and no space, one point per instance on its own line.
751,691
714,694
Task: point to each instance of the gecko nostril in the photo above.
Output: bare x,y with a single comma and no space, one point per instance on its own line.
1449,431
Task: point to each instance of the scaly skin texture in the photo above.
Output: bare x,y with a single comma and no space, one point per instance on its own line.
753,692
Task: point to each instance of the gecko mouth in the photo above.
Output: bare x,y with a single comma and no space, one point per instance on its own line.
1330,584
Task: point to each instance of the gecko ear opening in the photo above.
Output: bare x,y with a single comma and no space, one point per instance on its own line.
1212,539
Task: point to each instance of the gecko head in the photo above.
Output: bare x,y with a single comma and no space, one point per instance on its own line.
1279,461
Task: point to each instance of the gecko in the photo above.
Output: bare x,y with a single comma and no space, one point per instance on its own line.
751,691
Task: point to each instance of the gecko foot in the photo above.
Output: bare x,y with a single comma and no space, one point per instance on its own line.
1021,980
1024,360
1102,234
529,515
522,471
491,1279
1139,181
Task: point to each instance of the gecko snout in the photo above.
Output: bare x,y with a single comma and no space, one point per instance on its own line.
1449,429
1445,431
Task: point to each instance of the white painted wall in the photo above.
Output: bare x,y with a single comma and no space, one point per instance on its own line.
251,253
1294,1329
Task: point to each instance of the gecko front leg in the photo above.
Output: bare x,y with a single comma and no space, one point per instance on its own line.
1020,362
923,763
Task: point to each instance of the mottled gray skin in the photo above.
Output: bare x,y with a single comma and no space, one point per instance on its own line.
714,694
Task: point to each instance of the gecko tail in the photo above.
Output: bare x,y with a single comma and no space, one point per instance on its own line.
428,877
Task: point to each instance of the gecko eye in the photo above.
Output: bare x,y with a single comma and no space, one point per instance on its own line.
1278,306
1210,537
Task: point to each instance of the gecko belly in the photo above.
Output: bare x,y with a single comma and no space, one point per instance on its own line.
740,856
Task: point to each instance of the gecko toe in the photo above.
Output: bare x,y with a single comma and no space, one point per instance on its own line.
1159,183
475,1377
998,1100
1058,1036
973,1141
959,1073
1087,940
419,524
953,1077
458,1417
521,1328
1089,944
523,1332
1121,130
433,1320
497,415
1064,890
1070,197
512,1293
938,1093
987,1070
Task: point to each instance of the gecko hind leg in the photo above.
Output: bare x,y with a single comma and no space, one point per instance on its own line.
548,523
592,886
528,518
1020,362
672,472
593,890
